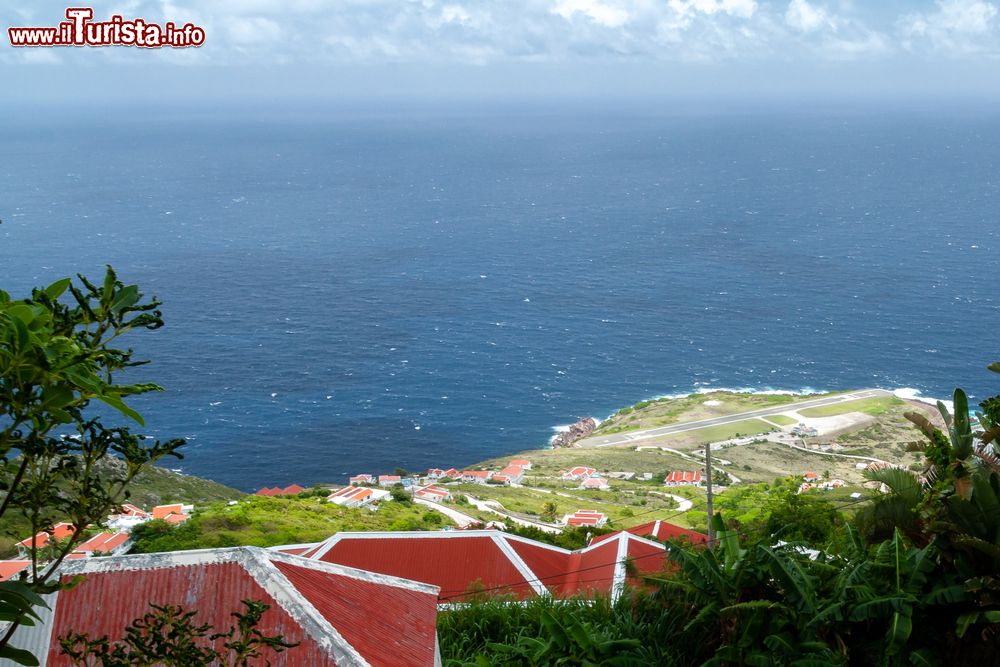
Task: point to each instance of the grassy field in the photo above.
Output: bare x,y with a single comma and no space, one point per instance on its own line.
868,406
549,462
661,412
624,506
263,522
781,420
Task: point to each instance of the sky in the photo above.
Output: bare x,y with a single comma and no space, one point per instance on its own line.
282,49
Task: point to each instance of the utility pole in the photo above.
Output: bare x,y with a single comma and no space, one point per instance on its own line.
708,487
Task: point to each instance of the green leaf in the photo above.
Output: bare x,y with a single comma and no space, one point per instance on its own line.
899,632
119,405
127,297
56,289
923,658
19,656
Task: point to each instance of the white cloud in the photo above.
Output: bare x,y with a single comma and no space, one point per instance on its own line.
954,27
740,8
804,17
603,14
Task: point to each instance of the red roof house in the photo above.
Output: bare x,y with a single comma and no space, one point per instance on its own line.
659,530
128,509
163,511
356,496
579,472
105,543
361,479
515,473
463,563
478,476
452,473
437,494
598,483
11,568
60,531
683,477
524,464
585,518
337,615
389,480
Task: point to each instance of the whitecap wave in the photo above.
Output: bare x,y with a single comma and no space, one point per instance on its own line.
912,394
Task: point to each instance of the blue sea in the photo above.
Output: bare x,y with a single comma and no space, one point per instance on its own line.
357,287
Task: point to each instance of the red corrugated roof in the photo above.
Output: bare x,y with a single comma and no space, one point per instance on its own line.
312,603
455,562
397,628
660,530
495,561
476,473
292,490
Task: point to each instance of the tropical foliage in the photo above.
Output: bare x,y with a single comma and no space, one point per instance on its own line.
59,361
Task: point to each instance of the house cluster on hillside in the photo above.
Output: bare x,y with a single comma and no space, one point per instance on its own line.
114,541
812,481
512,473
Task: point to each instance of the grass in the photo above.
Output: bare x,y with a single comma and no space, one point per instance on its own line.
263,522
624,506
733,430
781,420
868,406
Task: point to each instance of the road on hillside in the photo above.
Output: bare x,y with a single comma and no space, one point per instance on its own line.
647,434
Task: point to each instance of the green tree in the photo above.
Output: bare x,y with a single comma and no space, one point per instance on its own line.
59,362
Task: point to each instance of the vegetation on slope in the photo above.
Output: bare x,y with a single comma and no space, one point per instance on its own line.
269,521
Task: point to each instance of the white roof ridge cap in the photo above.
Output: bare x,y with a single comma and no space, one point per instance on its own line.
353,572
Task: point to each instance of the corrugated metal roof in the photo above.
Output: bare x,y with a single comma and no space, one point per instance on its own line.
494,562
660,530
306,599
457,566
389,626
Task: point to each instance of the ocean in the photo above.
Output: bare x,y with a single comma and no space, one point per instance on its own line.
356,288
